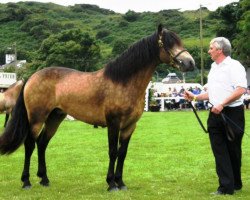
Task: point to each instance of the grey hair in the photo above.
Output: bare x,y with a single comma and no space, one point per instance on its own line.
223,44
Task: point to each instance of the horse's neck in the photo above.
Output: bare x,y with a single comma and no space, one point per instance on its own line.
142,79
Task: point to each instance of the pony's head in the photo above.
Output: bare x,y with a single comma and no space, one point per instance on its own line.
172,51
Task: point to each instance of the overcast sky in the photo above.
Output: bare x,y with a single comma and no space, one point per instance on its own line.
122,6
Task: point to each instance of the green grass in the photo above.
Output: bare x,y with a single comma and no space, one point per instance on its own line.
169,157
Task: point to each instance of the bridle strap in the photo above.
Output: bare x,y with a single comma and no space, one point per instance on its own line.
176,56
173,58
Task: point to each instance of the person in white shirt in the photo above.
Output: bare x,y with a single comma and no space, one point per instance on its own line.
226,84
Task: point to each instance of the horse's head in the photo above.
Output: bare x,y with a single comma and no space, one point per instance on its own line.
172,51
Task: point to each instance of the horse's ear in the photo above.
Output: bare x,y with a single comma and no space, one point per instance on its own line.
159,28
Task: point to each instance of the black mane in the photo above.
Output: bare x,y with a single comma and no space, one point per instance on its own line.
141,54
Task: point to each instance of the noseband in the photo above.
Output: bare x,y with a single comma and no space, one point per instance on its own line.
173,58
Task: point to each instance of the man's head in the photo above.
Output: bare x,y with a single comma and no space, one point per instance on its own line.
219,47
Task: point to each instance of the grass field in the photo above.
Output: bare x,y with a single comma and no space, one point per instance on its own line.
169,157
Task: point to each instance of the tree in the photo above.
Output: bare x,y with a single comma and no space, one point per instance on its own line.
40,28
235,26
14,12
131,16
242,40
229,15
120,46
102,33
73,48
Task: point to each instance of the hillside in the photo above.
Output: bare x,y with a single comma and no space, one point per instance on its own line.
28,24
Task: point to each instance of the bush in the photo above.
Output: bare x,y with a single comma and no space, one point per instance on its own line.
123,24
101,34
120,46
131,16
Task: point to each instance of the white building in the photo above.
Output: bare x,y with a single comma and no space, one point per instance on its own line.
7,79
9,58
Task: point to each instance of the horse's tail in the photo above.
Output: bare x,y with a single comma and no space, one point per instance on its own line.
17,128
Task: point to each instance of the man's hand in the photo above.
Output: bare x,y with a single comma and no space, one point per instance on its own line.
188,95
217,109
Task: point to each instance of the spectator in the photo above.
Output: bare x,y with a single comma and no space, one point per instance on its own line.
182,102
247,98
196,91
169,92
205,102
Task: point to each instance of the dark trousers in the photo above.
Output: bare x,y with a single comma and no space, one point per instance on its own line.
227,153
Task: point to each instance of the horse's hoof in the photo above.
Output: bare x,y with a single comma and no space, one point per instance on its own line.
44,183
124,188
26,186
113,189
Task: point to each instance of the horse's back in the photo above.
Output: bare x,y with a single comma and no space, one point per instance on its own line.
72,91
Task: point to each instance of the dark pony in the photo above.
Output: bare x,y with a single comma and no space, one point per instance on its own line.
113,97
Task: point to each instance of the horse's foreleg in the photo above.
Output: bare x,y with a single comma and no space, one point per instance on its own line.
125,136
29,146
113,132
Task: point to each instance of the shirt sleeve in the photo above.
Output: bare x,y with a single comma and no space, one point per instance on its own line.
238,75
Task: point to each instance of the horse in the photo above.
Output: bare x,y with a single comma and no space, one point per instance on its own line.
9,97
112,96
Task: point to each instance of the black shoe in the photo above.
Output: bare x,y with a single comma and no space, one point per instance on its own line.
237,188
219,192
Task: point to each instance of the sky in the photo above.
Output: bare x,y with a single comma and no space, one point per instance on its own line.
122,6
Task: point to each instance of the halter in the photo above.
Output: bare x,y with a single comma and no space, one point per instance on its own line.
173,58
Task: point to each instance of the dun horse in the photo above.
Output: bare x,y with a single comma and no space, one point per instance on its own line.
112,97
9,97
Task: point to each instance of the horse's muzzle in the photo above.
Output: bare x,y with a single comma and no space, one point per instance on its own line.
186,65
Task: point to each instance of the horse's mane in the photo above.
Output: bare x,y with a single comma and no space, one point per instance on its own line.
141,54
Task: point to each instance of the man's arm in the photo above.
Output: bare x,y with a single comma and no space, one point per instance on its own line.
200,97
237,93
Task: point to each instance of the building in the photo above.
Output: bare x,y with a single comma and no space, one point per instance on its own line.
7,79
171,78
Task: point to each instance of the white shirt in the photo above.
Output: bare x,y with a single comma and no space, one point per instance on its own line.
224,78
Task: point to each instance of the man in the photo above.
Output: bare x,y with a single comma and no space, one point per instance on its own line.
226,84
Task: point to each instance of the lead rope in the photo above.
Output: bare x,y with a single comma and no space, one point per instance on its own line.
193,108
225,118
197,117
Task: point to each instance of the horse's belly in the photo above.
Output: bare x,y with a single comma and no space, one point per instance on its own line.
90,116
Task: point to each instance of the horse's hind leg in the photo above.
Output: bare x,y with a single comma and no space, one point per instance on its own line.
51,125
124,139
42,143
29,146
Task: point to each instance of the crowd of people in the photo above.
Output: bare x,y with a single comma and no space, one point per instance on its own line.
177,101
